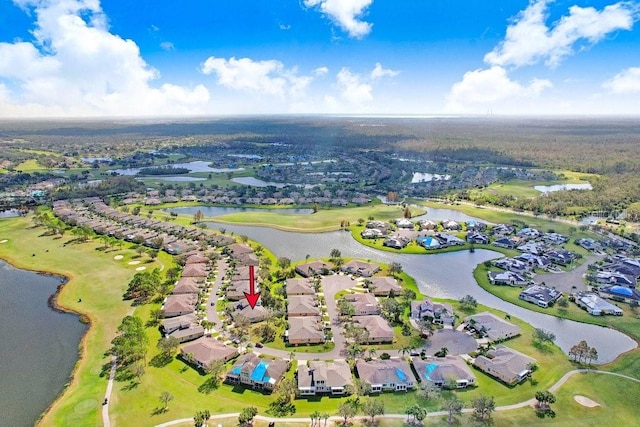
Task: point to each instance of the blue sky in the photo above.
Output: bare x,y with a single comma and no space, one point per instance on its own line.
79,58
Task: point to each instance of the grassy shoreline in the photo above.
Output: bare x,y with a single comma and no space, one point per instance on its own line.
94,287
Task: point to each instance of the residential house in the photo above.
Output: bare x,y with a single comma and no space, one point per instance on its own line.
560,256
507,278
449,239
491,326
195,270
555,238
242,309
502,230
507,242
187,285
405,223
360,268
183,328
506,364
595,305
620,293
384,286
316,377
451,225
303,305
513,265
427,224
371,233
260,374
477,238
396,242
429,242
440,313
378,328
313,268
540,295
297,286
206,350
444,372
305,330
528,233
386,375
178,305
476,225
364,304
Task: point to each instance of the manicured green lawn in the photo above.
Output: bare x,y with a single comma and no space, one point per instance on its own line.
321,221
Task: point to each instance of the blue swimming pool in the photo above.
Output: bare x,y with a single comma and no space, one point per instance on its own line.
259,372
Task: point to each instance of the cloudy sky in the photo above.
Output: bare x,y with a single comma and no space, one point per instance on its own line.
209,57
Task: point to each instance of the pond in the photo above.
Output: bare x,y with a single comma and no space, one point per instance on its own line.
559,187
444,214
211,211
428,177
446,275
39,345
196,166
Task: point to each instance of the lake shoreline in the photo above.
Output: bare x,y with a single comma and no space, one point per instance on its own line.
52,303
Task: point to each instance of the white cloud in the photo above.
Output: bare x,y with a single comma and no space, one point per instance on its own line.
379,72
321,71
284,27
353,89
266,77
168,46
76,67
529,40
625,82
346,14
486,86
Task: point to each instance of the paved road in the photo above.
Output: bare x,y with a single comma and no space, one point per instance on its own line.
212,312
566,280
524,404
107,395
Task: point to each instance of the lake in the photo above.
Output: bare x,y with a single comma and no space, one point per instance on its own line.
196,166
39,345
211,211
428,177
446,275
559,187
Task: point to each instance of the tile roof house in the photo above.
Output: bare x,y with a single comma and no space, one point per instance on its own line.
305,330
324,377
506,364
260,374
384,286
205,350
507,278
253,315
382,375
378,328
297,286
491,326
449,371
360,268
177,305
310,269
187,285
303,305
364,304
195,270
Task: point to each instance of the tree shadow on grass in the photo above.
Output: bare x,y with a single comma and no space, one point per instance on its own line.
160,360
131,386
158,411
209,385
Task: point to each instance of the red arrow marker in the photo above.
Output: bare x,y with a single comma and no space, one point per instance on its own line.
252,297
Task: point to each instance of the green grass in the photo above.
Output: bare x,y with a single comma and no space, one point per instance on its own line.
99,281
321,221
31,165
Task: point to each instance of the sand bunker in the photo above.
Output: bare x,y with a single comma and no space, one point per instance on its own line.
118,257
4,241
585,401
141,268
134,262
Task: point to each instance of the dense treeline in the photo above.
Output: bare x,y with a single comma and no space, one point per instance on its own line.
109,186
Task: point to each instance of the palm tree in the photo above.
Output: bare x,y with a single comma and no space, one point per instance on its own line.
315,416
